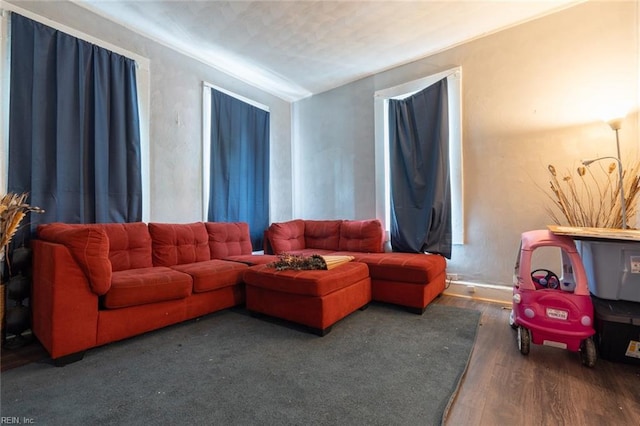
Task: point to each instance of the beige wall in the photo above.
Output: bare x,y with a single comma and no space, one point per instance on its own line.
532,95
535,95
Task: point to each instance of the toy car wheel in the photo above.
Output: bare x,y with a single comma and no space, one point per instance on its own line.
588,352
512,321
524,340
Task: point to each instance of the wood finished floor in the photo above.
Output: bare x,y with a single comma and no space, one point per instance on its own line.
547,387
502,387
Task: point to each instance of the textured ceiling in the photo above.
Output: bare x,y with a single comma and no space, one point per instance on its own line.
294,49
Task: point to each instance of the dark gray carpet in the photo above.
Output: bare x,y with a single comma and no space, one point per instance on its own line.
380,366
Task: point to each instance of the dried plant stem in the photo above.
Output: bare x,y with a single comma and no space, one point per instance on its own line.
13,209
594,200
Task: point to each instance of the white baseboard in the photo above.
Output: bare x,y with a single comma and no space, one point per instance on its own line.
479,291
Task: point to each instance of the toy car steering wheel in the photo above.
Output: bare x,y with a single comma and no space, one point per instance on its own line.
550,279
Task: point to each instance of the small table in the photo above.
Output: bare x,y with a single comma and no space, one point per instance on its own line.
579,233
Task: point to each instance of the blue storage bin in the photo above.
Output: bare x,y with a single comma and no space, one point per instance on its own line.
612,267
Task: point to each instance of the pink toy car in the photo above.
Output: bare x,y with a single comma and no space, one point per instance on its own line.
549,309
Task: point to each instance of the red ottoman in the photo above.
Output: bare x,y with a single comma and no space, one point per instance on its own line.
408,279
314,298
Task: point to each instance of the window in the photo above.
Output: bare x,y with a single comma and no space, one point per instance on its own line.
454,85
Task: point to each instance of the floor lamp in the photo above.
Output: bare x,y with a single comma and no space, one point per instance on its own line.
615,125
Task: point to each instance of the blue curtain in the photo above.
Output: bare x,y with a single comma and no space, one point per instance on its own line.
419,163
239,186
74,135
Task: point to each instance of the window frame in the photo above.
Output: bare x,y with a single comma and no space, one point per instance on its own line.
382,184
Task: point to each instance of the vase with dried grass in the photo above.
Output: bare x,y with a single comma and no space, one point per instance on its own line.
591,198
13,209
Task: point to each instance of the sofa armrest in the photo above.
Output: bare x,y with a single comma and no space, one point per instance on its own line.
65,309
89,246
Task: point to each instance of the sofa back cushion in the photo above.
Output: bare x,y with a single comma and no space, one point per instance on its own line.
366,236
129,245
228,239
287,236
322,234
176,244
89,246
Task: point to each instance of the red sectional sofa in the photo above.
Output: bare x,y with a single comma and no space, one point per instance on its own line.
412,280
95,284
99,283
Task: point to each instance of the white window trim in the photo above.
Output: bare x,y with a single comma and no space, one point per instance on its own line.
206,136
381,103
143,83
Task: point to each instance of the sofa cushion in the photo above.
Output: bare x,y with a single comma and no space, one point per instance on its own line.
228,239
365,236
408,267
287,236
213,274
309,252
176,244
322,234
89,246
129,245
252,259
147,285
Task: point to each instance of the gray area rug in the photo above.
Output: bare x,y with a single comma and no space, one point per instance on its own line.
380,366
